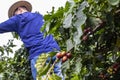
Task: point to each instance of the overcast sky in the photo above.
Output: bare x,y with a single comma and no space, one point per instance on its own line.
38,5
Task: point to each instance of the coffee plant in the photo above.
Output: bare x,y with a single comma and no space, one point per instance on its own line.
87,29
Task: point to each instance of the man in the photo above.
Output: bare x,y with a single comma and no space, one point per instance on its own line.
28,26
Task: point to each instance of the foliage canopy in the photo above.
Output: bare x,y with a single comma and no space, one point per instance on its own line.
90,30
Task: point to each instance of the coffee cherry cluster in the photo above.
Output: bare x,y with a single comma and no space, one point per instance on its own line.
113,68
63,55
87,30
86,33
103,76
111,71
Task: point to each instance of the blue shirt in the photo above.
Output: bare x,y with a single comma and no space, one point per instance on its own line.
28,25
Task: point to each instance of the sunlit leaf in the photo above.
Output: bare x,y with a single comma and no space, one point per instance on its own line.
75,77
114,2
77,0
54,77
78,66
80,20
69,44
68,21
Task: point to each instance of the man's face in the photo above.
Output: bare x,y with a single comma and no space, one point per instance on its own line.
20,10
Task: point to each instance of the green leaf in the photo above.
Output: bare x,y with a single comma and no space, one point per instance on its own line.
55,28
67,6
41,66
78,66
65,66
2,50
68,21
93,21
52,54
114,2
77,1
81,17
15,35
76,37
69,44
68,15
80,20
75,77
44,70
72,4
54,77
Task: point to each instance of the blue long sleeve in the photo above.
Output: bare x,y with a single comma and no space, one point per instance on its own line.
8,26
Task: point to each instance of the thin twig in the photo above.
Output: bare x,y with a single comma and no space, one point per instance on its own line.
51,68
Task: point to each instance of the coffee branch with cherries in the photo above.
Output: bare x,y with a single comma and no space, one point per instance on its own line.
64,56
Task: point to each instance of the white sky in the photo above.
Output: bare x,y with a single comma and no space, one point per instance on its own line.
38,5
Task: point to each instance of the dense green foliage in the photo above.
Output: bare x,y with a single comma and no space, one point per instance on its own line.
16,67
90,30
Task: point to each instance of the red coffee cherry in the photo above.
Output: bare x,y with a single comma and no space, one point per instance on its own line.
63,53
69,55
64,59
85,38
59,55
87,30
